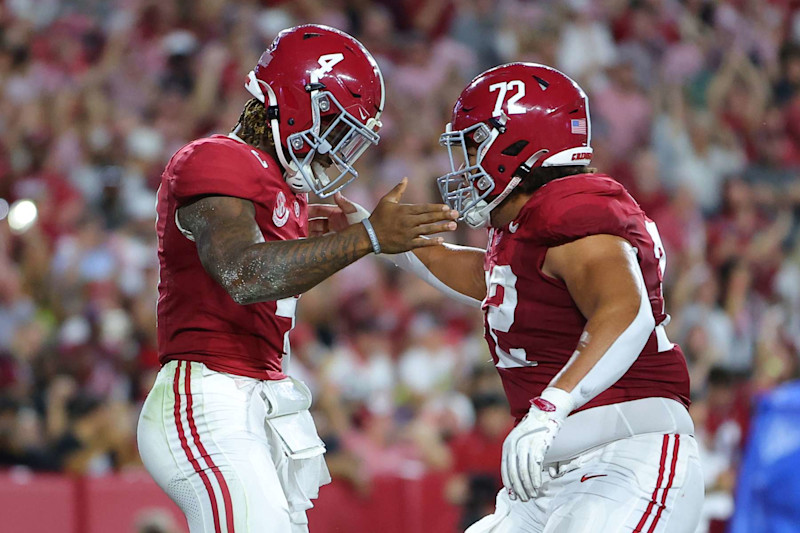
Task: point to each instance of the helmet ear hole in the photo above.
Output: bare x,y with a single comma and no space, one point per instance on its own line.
515,149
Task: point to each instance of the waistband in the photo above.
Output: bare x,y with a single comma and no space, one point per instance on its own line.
597,426
225,365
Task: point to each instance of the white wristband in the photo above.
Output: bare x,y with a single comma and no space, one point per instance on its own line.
361,215
373,237
561,399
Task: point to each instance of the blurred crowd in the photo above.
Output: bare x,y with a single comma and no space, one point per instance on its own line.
695,107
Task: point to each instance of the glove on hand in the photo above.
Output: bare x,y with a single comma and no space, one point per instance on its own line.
526,445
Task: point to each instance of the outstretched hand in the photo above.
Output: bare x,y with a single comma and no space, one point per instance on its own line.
401,227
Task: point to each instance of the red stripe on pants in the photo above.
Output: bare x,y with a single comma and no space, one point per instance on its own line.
653,500
669,483
187,450
226,495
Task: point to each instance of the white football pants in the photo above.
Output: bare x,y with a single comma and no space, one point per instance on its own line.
649,483
203,438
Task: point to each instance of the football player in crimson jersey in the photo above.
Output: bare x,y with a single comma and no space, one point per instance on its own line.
570,285
224,431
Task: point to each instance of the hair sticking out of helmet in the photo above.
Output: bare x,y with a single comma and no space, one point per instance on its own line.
324,96
509,120
253,126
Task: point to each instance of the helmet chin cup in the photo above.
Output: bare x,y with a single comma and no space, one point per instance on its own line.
478,216
295,180
299,184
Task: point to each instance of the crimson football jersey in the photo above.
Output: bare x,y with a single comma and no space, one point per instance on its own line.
532,324
197,319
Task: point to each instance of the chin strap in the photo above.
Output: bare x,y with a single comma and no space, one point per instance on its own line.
478,217
291,173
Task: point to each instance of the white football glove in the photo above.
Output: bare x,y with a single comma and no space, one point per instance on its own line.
526,445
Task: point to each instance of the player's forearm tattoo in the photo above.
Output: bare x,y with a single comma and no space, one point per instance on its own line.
275,270
233,251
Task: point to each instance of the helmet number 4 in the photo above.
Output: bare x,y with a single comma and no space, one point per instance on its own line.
326,64
504,87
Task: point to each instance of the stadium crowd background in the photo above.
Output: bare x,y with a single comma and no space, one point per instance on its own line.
695,108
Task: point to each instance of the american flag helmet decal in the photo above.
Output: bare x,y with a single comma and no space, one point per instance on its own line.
578,126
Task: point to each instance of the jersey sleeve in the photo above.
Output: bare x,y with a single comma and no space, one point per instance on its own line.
212,168
570,215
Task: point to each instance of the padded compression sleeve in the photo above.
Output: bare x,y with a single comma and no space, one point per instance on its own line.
409,262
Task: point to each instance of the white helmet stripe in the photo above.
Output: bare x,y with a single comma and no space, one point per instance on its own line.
588,121
383,91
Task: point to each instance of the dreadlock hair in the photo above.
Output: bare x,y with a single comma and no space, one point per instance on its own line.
541,175
253,126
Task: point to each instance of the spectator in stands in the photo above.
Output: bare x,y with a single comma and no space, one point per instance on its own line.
476,455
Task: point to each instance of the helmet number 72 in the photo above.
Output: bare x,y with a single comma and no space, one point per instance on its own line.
504,87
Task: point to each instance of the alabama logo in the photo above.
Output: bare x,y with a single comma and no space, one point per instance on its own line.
281,213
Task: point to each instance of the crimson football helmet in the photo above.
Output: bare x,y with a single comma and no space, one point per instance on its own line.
509,120
324,95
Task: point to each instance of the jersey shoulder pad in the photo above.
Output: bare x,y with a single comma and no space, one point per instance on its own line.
221,166
571,208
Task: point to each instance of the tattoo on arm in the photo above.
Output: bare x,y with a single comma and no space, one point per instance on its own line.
233,251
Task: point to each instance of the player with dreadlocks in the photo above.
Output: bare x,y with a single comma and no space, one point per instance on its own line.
225,431
252,125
